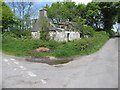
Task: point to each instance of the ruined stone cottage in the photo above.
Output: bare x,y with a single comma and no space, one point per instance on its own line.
61,33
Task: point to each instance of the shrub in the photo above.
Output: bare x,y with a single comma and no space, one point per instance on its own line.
82,46
44,35
111,33
17,34
87,30
23,34
9,34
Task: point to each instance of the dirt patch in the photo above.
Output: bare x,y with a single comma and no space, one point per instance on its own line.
41,49
48,60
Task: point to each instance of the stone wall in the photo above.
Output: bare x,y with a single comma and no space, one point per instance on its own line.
64,35
59,35
35,35
52,34
74,35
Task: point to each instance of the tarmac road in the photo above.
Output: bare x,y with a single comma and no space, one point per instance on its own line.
99,70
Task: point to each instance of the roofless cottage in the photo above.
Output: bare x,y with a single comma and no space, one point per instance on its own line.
60,32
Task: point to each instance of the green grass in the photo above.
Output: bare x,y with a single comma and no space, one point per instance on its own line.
85,46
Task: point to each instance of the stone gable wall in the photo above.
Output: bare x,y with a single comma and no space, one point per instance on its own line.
35,35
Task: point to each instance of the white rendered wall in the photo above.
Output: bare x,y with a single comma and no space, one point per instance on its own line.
35,35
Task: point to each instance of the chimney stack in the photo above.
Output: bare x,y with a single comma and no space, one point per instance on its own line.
43,13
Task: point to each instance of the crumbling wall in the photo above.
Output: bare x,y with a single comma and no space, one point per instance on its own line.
74,35
60,36
64,35
55,33
35,35
52,35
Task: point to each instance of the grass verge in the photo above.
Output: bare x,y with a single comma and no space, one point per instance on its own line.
85,46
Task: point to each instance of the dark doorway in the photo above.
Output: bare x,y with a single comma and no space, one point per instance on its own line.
68,34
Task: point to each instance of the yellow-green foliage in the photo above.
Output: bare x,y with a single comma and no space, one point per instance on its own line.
7,16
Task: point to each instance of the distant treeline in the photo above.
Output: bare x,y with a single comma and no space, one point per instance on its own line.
98,15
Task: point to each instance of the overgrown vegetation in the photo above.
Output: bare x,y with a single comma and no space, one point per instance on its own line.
85,46
15,34
90,18
44,33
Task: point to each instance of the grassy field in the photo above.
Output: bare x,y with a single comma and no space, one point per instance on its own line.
85,46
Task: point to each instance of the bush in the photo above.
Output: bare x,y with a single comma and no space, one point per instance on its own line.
83,46
17,34
44,35
87,30
22,34
111,33
9,34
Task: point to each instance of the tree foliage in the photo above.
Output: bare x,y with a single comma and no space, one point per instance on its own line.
44,33
93,15
8,17
96,15
60,12
99,15
24,11
109,11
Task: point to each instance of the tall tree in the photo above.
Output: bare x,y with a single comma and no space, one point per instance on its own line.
109,11
93,15
118,16
71,10
101,15
24,11
81,10
62,11
8,17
